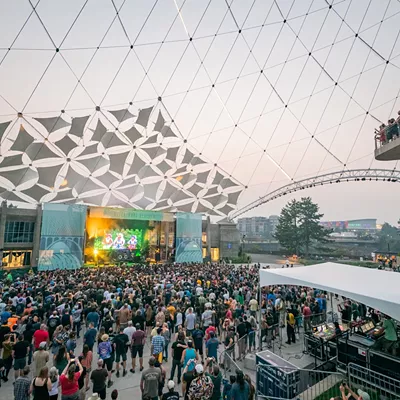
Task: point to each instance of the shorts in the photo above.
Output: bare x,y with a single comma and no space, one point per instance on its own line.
102,394
108,362
19,363
199,349
137,350
118,356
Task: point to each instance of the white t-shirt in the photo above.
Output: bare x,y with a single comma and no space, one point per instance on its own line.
54,388
178,319
129,331
190,321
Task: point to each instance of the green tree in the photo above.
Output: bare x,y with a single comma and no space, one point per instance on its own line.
388,238
310,228
287,231
299,226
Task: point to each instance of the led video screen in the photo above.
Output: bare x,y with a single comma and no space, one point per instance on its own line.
119,239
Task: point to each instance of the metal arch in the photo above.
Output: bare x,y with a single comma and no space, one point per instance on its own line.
389,175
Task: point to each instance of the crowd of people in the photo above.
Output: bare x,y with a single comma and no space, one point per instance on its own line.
69,334
190,314
389,132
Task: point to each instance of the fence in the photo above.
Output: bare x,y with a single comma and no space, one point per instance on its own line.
376,384
283,383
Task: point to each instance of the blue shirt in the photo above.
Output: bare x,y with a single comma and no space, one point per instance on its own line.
90,336
212,347
158,343
104,349
93,317
238,393
4,316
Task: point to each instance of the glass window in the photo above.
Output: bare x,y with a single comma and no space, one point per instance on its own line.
19,232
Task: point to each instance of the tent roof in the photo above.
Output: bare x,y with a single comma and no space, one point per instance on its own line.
375,288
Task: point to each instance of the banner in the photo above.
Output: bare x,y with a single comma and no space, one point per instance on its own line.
188,238
62,236
130,213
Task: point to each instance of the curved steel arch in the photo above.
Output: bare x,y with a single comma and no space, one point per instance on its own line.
389,175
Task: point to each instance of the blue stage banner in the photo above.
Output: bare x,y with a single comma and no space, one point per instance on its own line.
62,236
188,238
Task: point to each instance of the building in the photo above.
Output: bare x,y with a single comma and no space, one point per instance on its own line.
258,228
21,230
355,225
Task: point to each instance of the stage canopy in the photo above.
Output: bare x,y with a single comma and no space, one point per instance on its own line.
375,288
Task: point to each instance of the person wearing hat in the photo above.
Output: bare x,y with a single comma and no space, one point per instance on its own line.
361,395
40,357
171,394
137,346
149,382
201,386
104,350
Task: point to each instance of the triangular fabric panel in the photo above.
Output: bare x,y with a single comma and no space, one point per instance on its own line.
12,161
94,163
143,117
172,153
99,132
52,124
66,144
167,131
159,123
133,135
233,197
39,151
78,125
121,115
111,139
136,166
3,127
117,162
48,175
22,141
36,192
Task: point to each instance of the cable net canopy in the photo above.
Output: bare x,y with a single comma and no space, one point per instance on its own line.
188,105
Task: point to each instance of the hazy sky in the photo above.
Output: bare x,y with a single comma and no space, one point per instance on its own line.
270,91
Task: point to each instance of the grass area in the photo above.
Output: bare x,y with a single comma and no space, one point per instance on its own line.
334,391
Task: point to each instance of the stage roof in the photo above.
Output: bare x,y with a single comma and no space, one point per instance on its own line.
375,288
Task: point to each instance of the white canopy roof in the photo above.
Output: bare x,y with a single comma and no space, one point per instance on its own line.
375,288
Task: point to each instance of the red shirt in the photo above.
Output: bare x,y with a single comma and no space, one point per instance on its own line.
69,387
208,330
307,311
40,336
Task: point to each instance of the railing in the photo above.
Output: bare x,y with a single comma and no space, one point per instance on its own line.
285,383
376,384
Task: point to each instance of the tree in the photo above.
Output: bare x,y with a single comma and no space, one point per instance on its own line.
299,226
388,238
287,230
310,228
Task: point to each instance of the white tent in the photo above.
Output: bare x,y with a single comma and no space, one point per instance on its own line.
375,288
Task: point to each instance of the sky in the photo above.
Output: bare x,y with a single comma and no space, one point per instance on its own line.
265,92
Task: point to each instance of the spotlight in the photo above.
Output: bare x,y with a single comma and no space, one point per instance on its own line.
363,179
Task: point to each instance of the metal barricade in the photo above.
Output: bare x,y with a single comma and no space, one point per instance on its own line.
281,383
377,385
